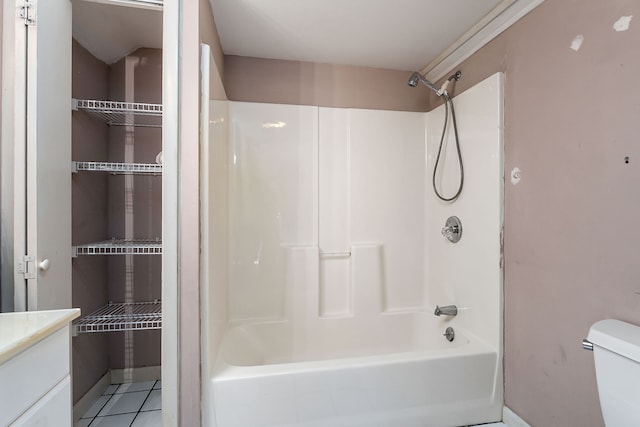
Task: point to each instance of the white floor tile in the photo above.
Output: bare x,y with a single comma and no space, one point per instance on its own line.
153,402
124,403
84,422
111,389
493,425
122,420
158,385
96,407
130,387
148,419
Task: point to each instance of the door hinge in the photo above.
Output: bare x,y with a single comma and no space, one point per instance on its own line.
28,13
27,267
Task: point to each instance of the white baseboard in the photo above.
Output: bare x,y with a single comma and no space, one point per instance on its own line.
511,419
85,402
129,375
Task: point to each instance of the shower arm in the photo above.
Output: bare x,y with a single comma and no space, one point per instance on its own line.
416,76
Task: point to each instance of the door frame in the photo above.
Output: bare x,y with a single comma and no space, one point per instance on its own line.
181,391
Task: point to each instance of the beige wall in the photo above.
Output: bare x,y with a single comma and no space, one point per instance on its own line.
89,218
571,247
209,35
306,83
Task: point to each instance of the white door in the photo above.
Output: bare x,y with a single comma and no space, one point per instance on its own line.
40,118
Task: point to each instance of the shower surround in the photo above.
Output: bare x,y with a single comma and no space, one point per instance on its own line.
336,263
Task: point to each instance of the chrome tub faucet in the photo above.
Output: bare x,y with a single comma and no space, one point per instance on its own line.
447,310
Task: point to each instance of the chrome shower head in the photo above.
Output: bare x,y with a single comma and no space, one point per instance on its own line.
413,80
416,77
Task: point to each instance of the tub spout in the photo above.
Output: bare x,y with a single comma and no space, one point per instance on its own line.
447,310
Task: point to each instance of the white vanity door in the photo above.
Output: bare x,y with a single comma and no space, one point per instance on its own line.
54,409
32,375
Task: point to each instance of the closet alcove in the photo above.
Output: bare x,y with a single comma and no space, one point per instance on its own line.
116,184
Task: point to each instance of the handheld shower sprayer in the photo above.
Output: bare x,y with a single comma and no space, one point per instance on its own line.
443,89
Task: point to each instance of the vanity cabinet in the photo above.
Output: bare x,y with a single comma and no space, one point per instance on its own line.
35,381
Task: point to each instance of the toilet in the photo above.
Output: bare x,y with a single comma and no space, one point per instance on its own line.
616,352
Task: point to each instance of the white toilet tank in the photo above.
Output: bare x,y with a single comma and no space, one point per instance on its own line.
616,351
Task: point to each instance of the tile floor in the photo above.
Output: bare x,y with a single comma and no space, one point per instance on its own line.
126,405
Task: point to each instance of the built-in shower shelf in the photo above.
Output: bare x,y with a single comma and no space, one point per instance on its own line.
118,168
122,113
120,247
121,317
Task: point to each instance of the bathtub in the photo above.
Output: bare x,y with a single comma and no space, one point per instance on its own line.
386,370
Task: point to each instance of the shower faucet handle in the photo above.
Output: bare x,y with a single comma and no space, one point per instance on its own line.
452,229
449,230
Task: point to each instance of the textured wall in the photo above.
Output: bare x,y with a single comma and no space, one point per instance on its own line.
324,85
89,218
571,247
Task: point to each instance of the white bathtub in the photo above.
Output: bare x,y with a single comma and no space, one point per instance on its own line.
399,371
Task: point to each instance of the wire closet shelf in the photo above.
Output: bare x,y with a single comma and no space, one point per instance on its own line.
134,316
116,113
120,247
118,168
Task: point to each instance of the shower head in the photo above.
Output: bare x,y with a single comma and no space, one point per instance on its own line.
413,80
416,77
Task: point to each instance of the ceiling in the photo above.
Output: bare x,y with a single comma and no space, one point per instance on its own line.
393,34
112,30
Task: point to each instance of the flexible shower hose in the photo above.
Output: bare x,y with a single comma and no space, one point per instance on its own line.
448,102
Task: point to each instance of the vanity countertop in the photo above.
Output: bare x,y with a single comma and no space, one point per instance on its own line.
19,331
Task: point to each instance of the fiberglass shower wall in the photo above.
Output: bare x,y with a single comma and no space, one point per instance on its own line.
468,273
326,212
332,213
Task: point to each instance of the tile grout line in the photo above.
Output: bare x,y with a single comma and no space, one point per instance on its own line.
143,402
103,405
101,408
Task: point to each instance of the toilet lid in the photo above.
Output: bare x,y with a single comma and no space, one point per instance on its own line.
617,336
